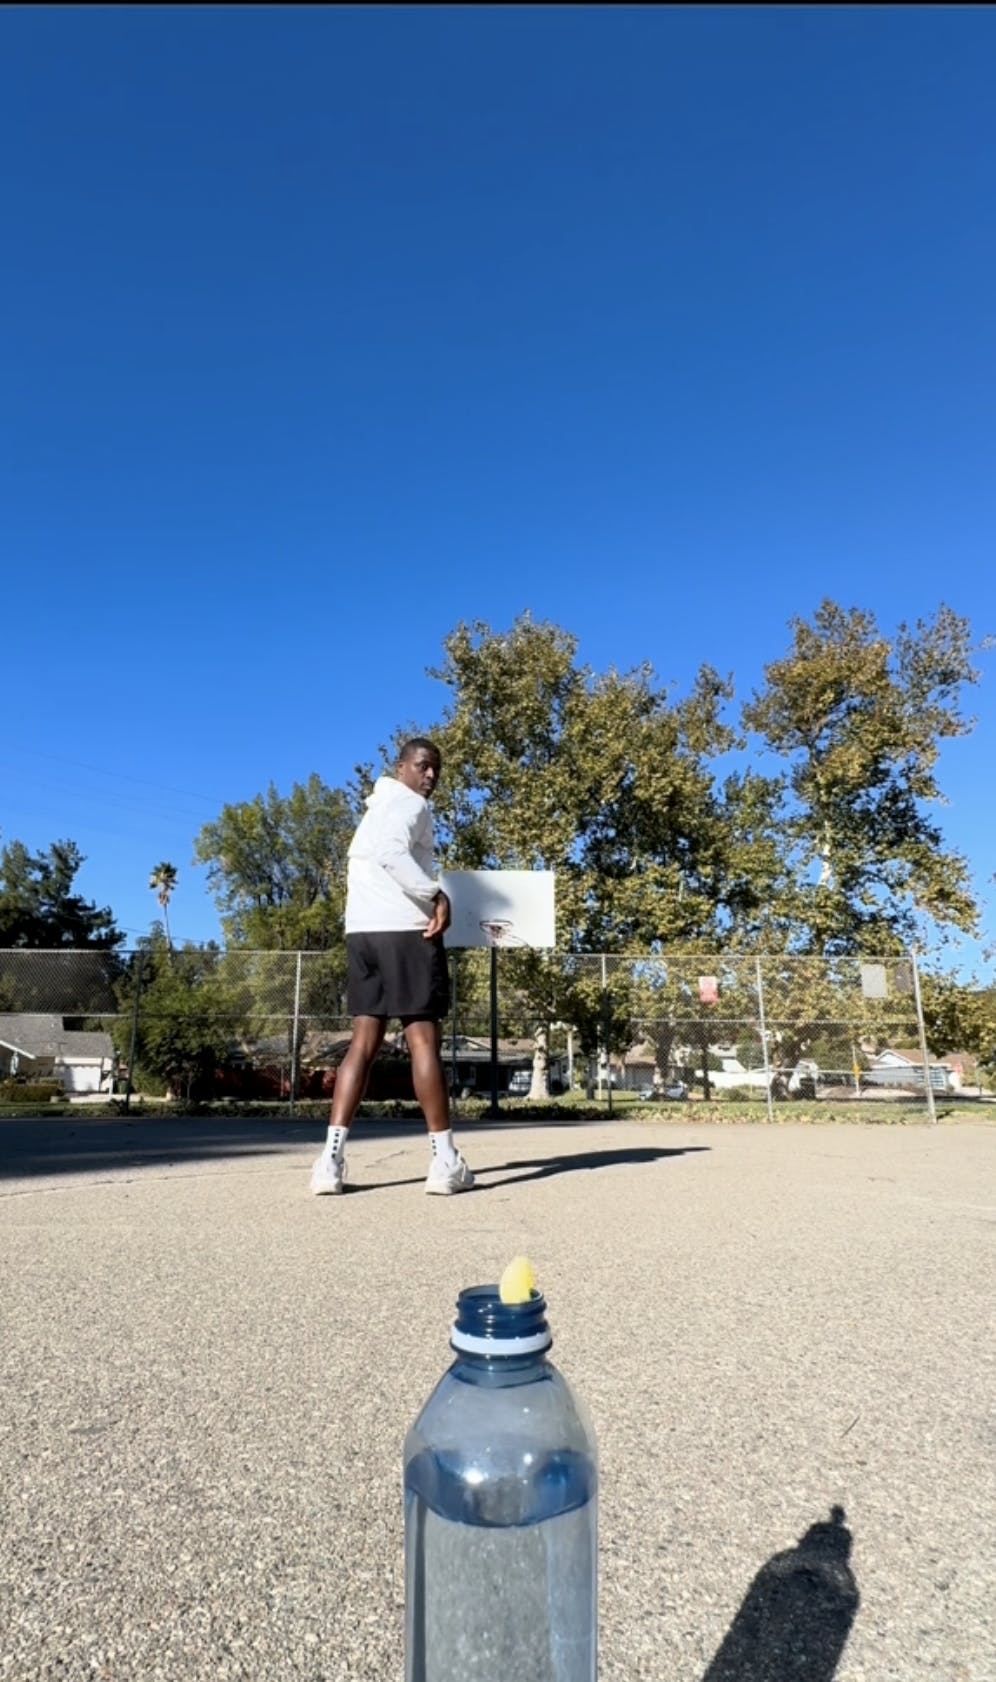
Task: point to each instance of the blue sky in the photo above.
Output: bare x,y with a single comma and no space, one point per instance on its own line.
323,330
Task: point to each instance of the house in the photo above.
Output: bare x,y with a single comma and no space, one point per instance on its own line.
639,1067
468,1064
902,1067
43,1048
964,1066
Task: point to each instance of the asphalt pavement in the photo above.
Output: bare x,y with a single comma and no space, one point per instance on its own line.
784,1336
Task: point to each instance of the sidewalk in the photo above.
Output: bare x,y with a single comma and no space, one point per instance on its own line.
207,1376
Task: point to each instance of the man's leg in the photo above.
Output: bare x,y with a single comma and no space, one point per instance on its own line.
428,1074
448,1172
350,1084
354,1070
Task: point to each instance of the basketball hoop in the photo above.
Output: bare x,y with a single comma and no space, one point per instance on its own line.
500,931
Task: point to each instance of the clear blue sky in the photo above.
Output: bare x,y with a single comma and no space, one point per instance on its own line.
325,329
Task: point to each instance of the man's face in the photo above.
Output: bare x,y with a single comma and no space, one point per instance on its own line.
420,772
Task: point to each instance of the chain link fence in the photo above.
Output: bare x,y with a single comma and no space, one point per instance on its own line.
206,1023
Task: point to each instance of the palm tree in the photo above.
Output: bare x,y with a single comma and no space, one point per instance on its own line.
163,880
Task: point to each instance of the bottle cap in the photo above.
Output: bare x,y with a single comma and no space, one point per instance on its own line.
487,1326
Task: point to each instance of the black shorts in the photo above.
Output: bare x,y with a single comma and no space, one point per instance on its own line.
397,974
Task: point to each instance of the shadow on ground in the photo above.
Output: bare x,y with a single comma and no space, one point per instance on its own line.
543,1168
79,1145
515,1173
797,1613
35,1147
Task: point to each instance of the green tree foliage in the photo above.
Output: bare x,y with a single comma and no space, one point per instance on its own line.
38,907
600,777
277,866
193,1012
610,782
959,1016
859,719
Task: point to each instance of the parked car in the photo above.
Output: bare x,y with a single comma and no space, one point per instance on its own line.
520,1084
802,1081
671,1090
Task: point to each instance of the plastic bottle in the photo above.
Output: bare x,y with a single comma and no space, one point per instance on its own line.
500,1473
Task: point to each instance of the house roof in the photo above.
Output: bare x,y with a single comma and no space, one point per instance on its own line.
46,1036
908,1056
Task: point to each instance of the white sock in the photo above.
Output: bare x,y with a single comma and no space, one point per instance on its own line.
443,1148
335,1143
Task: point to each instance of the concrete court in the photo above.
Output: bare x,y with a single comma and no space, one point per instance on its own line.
207,1376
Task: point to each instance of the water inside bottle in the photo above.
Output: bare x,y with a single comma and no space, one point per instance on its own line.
501,1573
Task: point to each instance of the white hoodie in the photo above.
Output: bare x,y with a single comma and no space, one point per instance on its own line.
389,885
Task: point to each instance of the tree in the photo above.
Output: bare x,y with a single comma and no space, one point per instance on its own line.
959,1016
163,882
600,777
38,907
277,865
192,1013
859,719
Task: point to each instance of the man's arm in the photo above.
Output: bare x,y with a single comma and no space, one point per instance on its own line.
393,852
439,922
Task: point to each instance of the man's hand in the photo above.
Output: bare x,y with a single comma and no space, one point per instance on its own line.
439,922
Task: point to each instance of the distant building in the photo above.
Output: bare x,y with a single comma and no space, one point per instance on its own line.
42,1048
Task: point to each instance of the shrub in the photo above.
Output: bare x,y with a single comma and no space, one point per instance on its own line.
30,1092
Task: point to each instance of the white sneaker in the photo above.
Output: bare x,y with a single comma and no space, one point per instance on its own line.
448,1177
327,1176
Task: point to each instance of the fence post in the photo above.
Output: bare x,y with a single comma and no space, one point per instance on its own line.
454,1005
134,1029
294,1034
605,1034
924,1053
764,1039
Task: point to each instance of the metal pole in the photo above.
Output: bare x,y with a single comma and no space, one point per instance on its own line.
134,1029
294,1033
924,1053
764,1040
605,1031
494,1110
453,1031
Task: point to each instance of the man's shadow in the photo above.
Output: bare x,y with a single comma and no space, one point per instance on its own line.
796,1615
544,1167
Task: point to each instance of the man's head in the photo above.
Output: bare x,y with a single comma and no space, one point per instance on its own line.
419,766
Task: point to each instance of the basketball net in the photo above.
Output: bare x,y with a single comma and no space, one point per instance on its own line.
500,931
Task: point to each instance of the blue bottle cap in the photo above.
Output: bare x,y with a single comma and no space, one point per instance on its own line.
487,1326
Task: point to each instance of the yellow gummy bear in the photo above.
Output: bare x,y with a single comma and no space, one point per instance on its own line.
518,1281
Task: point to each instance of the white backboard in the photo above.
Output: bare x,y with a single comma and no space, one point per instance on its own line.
501,907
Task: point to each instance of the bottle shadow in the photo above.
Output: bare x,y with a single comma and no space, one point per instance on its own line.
796,1615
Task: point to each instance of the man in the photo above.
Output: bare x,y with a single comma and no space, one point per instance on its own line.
396,914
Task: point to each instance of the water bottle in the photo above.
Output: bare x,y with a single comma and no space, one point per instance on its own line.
500,1476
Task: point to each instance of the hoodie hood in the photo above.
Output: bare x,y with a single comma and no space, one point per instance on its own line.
386,789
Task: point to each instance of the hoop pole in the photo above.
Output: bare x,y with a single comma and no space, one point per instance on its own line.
454,1065
922,1031
494,1111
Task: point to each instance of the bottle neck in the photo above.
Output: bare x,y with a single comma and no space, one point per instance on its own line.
499,1372
487,1327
